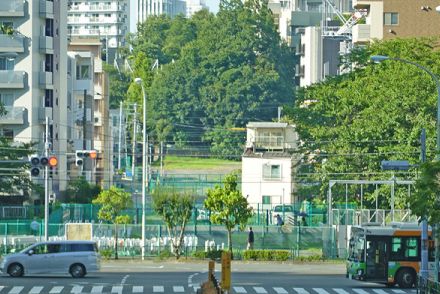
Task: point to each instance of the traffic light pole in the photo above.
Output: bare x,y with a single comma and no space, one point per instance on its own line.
46,183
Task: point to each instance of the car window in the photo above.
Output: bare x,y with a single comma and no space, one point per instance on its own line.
40,249
82,247
53,248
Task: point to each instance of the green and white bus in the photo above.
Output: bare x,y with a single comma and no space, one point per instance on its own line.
387,254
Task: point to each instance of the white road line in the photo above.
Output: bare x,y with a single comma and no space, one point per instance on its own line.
195,288
117,289
340,291
36,290
280,290
360,291
239,290
2,287
56,290
77,289
178,289
97,289
260,290
398,291
157,289
320,291
16,290
301,290
380,291
138,289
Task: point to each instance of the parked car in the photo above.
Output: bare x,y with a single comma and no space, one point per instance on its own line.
76,258
286,211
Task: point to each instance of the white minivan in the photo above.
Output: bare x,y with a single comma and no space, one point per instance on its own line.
74,257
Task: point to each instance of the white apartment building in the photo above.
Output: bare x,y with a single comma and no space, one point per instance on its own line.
147,8
106,20
192,6
33,77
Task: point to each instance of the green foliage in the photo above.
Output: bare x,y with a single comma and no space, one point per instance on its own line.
266,255
228,206
175,209
350,123
212,254
425,201
118,85
113,201
215,71
314,257
15,177
81,191
106,253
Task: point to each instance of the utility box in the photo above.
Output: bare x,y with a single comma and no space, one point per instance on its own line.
79,231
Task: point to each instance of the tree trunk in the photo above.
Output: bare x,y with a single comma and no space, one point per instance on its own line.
230,241
116,241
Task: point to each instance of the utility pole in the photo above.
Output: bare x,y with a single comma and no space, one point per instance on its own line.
133,159
120,135
84,120
46,183
424,235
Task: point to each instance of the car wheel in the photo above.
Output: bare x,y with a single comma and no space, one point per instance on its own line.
15,270
77,270
405,278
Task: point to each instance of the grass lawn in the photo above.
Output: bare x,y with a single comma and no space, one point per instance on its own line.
195,163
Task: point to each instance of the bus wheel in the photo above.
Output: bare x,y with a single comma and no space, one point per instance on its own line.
405,278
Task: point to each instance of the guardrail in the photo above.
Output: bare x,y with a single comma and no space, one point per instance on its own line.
427,286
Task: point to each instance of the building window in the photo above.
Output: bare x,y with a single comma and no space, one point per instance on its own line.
7,63
48,98
7,133
7,99
271,172
49,27
391,18
82,72
48,64
266,199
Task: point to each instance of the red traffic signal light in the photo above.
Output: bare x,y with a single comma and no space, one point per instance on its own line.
53,161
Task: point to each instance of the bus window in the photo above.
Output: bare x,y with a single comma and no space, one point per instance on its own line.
396,249
411,248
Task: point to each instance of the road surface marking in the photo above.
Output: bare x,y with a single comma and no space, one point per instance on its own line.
77,289
138,289
398,291
56,290
97,289
360,291
260,290
280,290
117,289
301,290
340,291
158,289
178,289
196,288
36,290
16,290
320,291
380,291
239,290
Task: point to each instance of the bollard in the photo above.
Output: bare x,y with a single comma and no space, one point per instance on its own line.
211,267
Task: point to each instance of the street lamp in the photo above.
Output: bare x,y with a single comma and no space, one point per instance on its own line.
144,162
424,251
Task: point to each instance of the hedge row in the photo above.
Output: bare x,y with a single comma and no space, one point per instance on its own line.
280,255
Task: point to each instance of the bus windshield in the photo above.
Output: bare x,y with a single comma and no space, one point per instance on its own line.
357,248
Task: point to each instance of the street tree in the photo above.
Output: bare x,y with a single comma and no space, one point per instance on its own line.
349,123
80,190
228,206
113,201
175,208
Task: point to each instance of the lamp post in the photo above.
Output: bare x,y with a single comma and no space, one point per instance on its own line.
424,251
144,162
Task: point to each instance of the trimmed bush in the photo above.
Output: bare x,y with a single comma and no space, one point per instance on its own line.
266,255
213,254
106,253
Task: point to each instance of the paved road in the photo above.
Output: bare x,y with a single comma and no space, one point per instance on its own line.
177,277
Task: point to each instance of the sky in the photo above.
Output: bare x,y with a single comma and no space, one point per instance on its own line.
213,5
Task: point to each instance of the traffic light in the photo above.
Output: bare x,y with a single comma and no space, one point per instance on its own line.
80,155
38,162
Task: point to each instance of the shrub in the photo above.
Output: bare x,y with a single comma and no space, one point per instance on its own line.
266,255
213,254
106,253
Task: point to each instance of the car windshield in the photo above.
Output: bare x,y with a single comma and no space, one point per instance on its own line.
27,248
286,209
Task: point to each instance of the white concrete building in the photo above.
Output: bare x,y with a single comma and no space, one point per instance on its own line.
106,20
171,8
192,6
268,165
33,77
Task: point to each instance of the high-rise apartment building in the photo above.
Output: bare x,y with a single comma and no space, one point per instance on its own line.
171,8
106,20
33,48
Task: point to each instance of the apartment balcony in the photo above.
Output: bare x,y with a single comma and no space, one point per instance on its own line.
12,8
44,112
13,116
46,9
46,80
46,44
11,43
269,143
12,79
361,4
361,33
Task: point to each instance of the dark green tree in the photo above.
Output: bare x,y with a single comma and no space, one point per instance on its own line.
81,191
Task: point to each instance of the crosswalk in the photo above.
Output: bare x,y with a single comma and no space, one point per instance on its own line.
125,289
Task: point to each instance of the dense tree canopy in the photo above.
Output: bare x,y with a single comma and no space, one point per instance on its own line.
348,124
214,72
